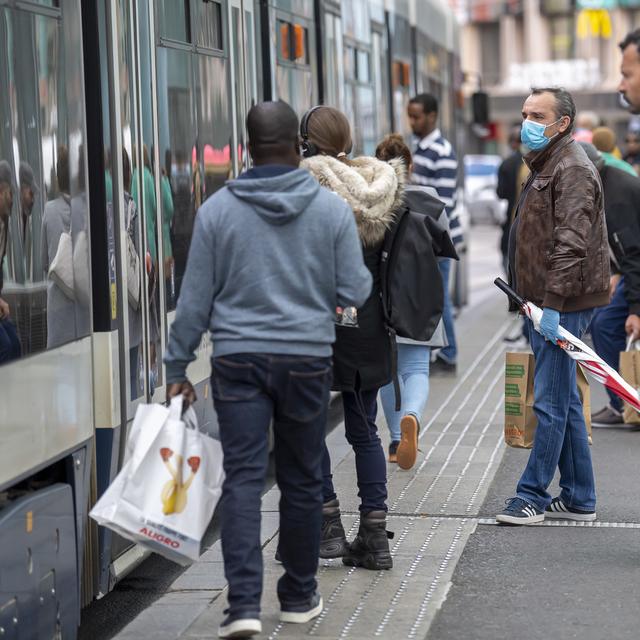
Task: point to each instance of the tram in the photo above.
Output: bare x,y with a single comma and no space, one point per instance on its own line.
117,120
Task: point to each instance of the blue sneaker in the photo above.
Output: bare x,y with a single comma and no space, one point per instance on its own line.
302,612
560,511
239,627
519,511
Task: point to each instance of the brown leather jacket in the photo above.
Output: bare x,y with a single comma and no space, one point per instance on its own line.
562,253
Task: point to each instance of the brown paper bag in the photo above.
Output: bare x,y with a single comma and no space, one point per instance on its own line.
520,421
630,371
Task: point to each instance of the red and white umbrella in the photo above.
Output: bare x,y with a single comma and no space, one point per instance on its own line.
586,357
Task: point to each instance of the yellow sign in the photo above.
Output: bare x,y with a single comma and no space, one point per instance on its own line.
29,521
594,22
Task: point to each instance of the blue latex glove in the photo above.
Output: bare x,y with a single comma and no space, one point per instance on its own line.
549,324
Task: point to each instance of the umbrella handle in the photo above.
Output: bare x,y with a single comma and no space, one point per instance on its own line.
505,288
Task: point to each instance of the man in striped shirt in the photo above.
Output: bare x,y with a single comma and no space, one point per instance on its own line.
435,165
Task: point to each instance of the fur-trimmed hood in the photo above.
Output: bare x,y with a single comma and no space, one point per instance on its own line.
372,188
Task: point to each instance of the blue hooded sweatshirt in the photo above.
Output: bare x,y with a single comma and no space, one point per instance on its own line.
270,259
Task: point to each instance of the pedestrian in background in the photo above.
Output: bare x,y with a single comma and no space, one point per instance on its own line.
612,325
508,188
435,165
413,356
271,256
604,140
362,354
560,259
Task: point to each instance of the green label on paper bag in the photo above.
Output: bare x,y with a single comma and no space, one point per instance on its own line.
514,371
511,390
513,408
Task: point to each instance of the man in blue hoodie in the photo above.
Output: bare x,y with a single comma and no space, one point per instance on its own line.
272,255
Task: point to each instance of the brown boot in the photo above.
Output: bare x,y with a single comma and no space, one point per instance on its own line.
408,447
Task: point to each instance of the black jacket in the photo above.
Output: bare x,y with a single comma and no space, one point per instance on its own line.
507,189
622,211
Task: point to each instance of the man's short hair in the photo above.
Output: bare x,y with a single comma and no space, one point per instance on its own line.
5,173
272,127
565,106
633,37
429,102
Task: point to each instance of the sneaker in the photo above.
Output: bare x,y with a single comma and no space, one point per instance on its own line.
233,627
408,447
393,448
607,417
302,612
519,511
560,511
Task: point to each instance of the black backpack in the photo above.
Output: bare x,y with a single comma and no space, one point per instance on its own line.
412,293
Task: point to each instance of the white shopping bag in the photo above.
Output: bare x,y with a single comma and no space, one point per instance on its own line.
167,491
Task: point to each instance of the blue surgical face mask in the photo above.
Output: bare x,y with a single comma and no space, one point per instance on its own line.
532,134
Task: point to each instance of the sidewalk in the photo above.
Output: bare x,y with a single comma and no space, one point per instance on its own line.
434,509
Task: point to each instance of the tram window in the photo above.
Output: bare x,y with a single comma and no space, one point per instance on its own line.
350,63
208,21
174,19
363,66
179,156
43,187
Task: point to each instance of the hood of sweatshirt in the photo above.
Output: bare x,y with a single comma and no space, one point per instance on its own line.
279,199
372,188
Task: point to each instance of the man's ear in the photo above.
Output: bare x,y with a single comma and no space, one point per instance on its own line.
565,124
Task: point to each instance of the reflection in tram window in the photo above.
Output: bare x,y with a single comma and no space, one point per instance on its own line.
135,310
41,110
208,21
65,258
214,122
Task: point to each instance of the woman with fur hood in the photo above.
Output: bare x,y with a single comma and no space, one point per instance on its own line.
362,354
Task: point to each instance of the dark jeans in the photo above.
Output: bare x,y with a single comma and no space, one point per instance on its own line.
561,440
608,334
360,409
9,341
249,390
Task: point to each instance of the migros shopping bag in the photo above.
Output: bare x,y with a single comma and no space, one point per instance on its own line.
630,371
520,421
172,483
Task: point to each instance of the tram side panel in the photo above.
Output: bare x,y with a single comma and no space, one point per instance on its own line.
46,413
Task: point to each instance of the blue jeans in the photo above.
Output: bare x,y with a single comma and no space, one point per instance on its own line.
561,437
9,341
360,410
249,390
450,352
413,375
609,336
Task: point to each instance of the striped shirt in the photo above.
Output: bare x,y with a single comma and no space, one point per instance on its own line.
435,165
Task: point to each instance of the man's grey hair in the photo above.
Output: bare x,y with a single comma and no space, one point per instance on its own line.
565,106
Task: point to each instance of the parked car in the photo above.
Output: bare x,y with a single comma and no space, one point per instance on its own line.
480,182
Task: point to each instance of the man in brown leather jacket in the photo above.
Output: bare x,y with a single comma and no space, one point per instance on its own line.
559,259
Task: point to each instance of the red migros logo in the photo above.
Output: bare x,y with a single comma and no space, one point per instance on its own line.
160,537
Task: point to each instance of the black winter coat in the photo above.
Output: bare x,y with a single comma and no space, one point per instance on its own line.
622,211
362,355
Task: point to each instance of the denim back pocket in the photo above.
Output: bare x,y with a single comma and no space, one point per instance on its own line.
307,394
233,380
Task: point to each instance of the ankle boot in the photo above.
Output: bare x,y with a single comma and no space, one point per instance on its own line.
333,542
370,549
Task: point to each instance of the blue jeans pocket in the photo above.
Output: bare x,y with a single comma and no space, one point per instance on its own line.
306,394
233,380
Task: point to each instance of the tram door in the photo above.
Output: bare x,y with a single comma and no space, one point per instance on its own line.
242,28
134,209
